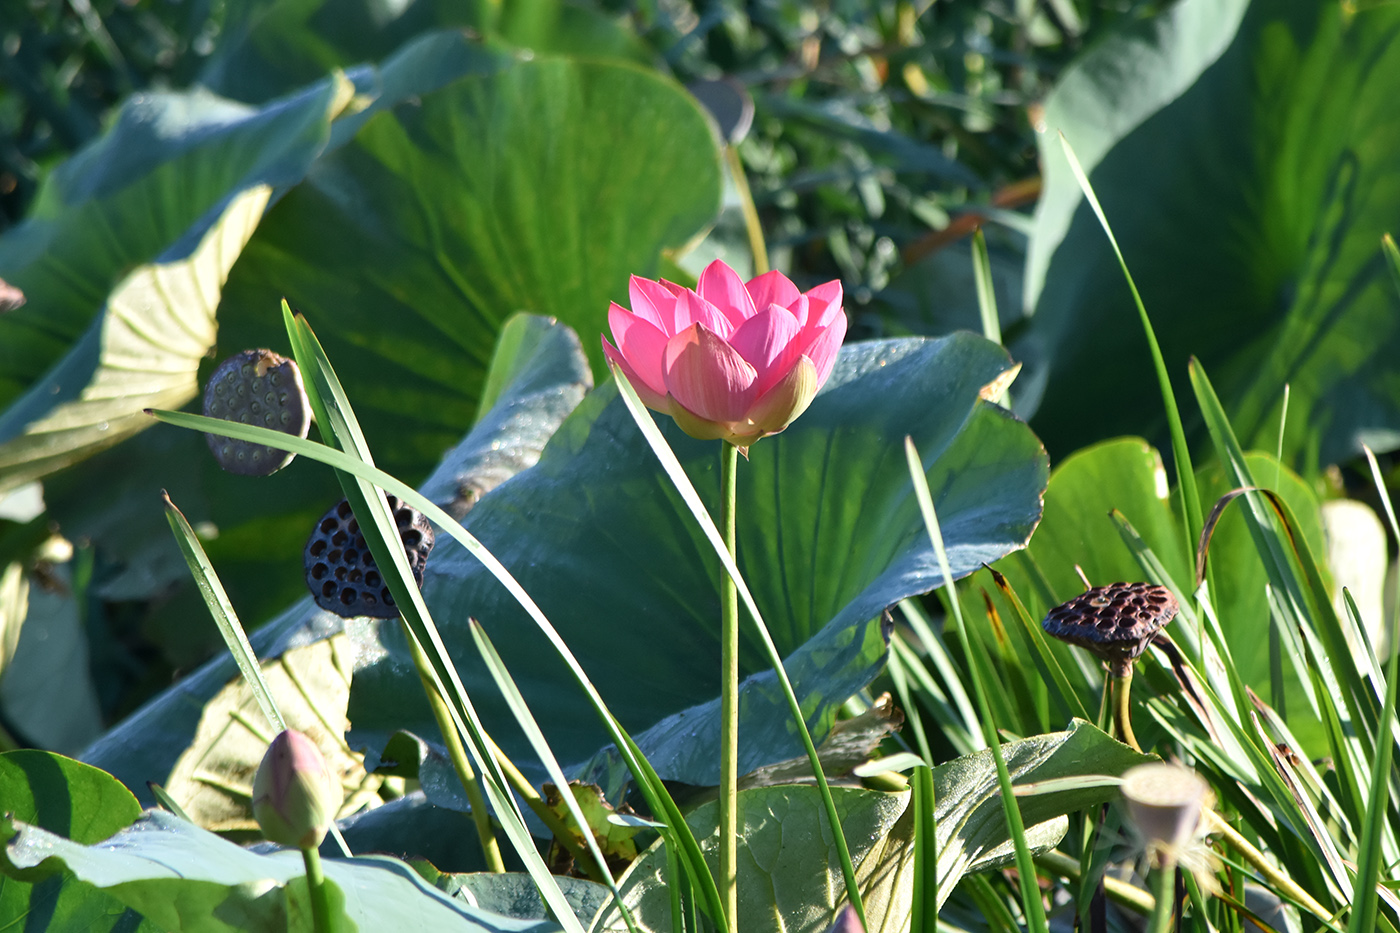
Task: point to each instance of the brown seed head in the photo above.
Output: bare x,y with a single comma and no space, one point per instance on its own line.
261,388
341,572
1115,622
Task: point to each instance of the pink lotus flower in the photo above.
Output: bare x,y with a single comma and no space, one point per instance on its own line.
728,360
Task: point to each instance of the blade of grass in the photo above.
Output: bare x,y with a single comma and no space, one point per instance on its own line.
1030,889
947,670
1365,901
1181,453
526,719
336,419
944,715
1306,602
221,608
924,911
681,481
906,701
1045,661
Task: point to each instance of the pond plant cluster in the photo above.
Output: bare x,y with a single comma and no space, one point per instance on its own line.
628,584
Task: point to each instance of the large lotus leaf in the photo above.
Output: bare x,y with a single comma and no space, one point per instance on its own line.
47,691
788,866
829,534
165,168
73,800
537,377
1125,474
142,351
513,894
269,49
534,185
539,186
186,878
1244,154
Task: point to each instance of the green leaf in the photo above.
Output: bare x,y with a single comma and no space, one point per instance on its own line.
64,796
1246,144
513,894
828,536
270,49
165,170
70,798
1124,474
474,186
539,185
186,878
142,351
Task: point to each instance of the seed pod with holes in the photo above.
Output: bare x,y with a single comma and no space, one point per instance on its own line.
261,388
1115,622
341,572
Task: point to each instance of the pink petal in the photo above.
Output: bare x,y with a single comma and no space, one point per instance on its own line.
642,344
672,287
722,287
651,301
800,309
826,301
825,345
763,338
649,398
789,397
707,375
772,288
692,309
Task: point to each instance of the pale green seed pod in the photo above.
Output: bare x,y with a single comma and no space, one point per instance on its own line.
295,796
1166,803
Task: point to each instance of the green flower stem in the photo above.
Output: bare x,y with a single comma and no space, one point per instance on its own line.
1066,866
481,816
1121,685
1282,883
751,223
729,698
1165,897
316,886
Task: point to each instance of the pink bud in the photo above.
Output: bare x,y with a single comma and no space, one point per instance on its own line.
729,360
295,796
847,921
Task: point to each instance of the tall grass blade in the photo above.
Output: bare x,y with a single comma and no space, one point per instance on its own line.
336,421
1030,888
682,483
528,724
221,608
947,670
1181,454
1365,901
924,913
1306,601
1068,702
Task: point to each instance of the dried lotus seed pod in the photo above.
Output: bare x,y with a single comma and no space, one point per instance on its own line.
262,388
1115,622
341,572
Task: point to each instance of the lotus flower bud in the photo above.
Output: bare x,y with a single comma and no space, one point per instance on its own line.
847,921
295,796
728,360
